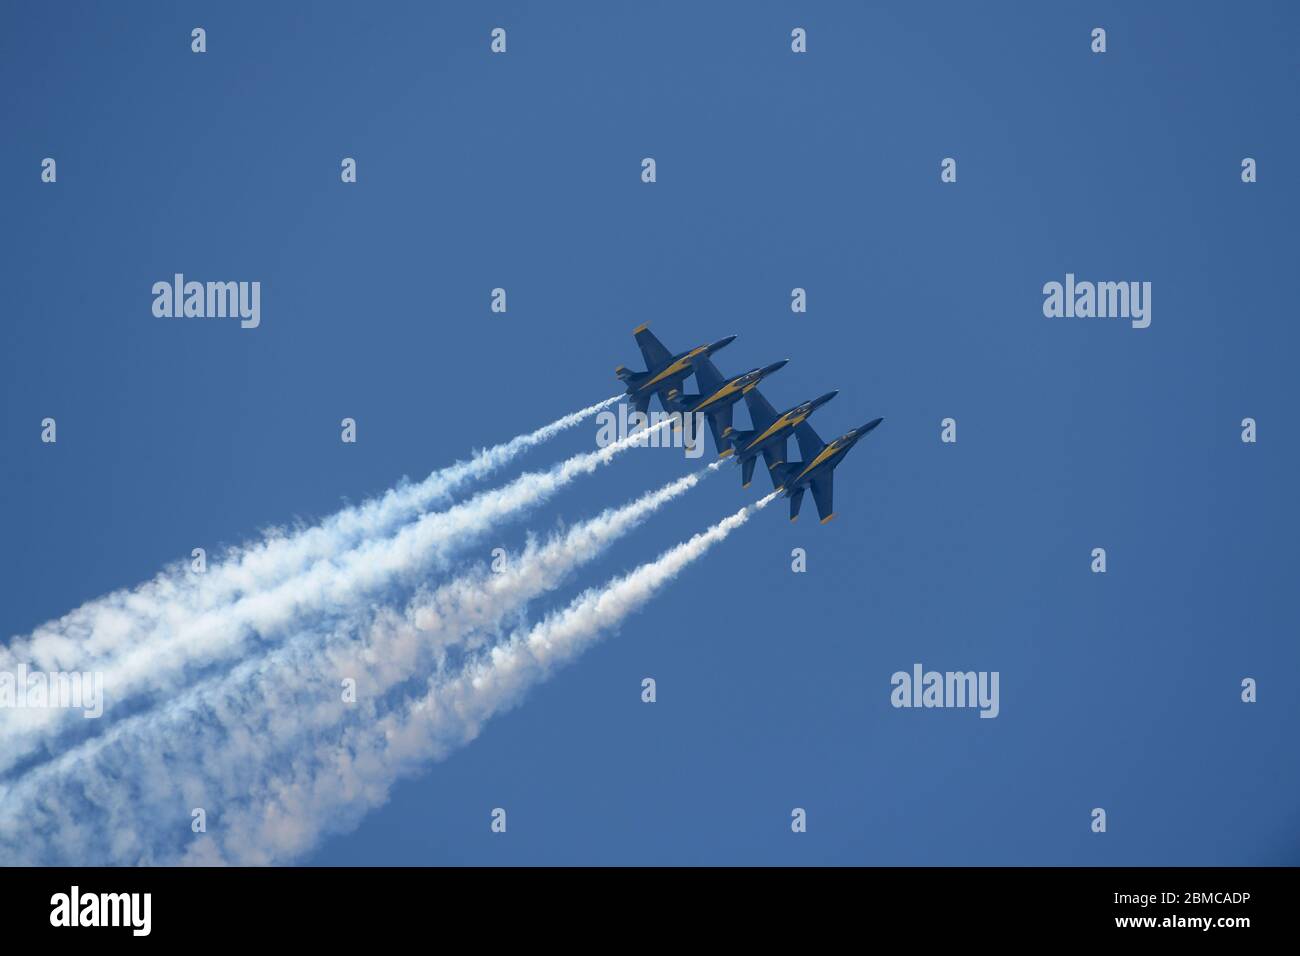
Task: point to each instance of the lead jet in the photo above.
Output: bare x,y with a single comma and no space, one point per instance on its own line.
664,371
718,396
770,433
817,469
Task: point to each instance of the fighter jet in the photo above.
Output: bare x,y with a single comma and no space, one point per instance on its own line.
770,433
817,468
717,396
664,370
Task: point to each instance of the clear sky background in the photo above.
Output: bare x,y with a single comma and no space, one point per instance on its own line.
775,170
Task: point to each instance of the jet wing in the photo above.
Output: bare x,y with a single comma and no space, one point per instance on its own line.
707,377
761,412
823,493
652,350
810,443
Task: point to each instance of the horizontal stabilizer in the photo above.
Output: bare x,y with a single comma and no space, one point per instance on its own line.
747,470
796,500
630,378
823,495
719,442
775,458
720,424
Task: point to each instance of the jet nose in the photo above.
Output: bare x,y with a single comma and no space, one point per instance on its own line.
721,343
869,425
822,400
775,367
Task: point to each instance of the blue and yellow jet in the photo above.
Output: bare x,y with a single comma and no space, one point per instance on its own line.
718,396
664,371
817,469
770,433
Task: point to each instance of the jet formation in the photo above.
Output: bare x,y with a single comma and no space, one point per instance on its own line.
770,431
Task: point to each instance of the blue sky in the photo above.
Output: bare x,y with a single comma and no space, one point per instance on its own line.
775,170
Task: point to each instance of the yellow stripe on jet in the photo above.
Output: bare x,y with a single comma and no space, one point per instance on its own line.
729,389
821,457
785,421
675,367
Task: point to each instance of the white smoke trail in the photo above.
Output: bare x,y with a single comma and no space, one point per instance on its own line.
467,611
394,645
159,661
271,803
99,628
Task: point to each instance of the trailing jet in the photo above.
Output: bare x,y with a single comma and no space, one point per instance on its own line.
664,370
817,468
718,396
770,433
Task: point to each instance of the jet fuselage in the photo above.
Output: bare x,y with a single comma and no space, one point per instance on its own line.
780,430
827,459
679,368
730,392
